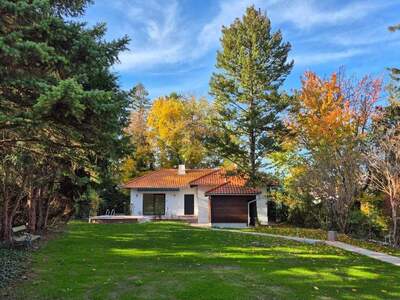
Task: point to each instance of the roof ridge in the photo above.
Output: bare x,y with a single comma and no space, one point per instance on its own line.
205,175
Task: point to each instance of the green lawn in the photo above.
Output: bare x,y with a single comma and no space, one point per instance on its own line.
175,261
320,234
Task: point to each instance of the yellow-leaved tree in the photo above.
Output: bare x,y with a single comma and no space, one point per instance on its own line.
177,129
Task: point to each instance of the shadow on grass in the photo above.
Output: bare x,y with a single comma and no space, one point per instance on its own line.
174,261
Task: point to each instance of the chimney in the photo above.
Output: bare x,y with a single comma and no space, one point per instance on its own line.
181,170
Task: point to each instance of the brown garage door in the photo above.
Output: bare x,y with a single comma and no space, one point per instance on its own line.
229,209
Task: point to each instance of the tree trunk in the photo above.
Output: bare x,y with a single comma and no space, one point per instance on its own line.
253,170
46,215
32,204
40,212
330,216
5,222
8,213
395,233
44,207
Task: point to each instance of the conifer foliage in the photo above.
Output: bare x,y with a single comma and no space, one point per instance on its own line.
62,113
251,66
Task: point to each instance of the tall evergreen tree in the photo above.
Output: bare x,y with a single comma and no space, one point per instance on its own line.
252,65
61,109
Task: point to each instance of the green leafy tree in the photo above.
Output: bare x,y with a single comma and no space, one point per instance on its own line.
252,66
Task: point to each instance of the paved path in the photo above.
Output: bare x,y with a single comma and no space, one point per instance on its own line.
394,260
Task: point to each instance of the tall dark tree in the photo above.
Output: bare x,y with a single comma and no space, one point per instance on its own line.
252,65
61,109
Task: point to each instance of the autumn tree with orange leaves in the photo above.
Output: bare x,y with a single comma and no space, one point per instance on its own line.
330,122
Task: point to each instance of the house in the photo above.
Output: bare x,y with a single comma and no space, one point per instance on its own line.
203,196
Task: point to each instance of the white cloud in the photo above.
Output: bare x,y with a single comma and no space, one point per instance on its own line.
167,39
146,58
306,14
228,11
363,37
303,14
161,36
158,37
325,57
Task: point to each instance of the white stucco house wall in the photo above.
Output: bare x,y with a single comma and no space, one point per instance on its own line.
202,196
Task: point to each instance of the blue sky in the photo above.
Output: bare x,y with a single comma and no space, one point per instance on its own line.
174,42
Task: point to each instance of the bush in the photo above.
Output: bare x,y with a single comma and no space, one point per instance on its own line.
277,212
364,226
115,198
88,204
368,220
307,215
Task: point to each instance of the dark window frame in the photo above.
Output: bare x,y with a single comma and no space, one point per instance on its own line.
185,206
156,209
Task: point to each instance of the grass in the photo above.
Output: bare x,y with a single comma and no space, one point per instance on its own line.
322,235
175,261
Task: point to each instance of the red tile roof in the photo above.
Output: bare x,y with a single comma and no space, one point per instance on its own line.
217,179
166,178
235,185
232,189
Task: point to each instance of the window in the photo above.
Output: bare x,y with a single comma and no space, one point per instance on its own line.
189,204
154,204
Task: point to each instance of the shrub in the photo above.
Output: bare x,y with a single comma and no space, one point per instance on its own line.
364,226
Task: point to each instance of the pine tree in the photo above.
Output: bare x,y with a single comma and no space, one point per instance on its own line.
252,66
62,112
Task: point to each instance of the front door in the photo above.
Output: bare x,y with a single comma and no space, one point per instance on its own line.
189,204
